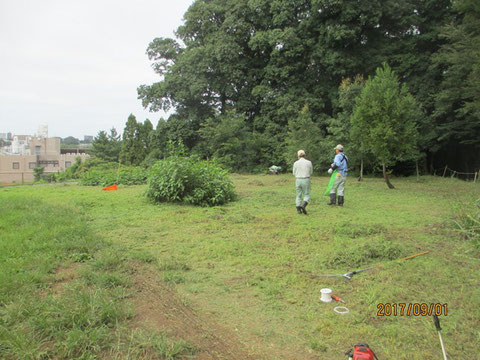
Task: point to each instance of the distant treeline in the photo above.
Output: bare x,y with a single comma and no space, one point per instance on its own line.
252,81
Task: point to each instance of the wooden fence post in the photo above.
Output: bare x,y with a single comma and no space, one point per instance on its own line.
475,178
453,175
445,171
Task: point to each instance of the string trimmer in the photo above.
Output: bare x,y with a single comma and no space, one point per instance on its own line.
350,274
361,352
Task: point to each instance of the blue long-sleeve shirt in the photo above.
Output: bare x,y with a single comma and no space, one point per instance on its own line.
341,161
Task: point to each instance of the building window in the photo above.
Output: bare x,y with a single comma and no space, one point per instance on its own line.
16,165
37,149
68,164
32,165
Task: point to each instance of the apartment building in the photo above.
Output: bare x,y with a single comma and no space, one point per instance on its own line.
34,152
6,136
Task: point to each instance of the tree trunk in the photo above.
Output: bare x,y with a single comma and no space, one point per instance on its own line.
385,176
360,178
418,171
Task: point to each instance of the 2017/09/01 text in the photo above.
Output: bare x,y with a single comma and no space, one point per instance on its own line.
411,309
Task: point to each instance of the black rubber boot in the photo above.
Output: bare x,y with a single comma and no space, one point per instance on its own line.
333,199
304,205
299,210
341,200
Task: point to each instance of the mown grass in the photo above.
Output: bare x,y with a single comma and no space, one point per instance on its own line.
250,262
85,318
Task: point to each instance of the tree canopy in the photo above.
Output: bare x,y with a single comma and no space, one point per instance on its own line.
250,74
107,147
384,120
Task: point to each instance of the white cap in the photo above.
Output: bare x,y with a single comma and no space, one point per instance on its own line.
339,147
301,153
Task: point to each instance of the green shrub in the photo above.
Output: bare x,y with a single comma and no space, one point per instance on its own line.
79,169
74,171
189,180
133,176
38,172
50,177
63,176
98,177
107,176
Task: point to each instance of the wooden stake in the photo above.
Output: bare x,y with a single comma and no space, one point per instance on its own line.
475,178
445,171
453,175
118,171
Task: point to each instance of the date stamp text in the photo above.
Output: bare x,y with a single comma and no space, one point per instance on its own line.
409,309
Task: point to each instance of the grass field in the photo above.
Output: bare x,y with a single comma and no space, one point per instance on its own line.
91,274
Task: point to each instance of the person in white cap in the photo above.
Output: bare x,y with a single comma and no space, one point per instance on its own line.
340,163
302,169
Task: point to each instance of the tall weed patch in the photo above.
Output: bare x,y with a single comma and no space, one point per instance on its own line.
467,221
191,181
131,175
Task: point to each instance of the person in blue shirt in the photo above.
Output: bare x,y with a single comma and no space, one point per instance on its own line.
340,163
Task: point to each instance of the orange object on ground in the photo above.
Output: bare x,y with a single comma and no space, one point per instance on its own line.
111,187
336,298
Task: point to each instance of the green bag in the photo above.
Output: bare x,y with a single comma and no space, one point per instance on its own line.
330,184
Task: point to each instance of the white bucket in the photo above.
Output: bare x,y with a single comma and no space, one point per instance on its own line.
326,295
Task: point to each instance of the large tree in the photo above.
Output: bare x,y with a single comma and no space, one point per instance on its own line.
132,152
267,59
339,126
145,137
458,102
228,139
305,134
115,145
384,119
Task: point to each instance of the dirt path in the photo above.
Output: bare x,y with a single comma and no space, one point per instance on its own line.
159,308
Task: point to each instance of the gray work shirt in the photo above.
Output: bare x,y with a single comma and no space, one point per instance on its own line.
302,168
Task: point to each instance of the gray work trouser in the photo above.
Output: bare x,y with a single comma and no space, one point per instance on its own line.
302,186
339,185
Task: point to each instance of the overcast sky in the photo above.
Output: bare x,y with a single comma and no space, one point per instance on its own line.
76,65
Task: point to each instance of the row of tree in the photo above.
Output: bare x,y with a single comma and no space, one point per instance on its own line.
252,81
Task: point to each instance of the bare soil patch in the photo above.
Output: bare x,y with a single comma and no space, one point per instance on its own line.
63,276
160,308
